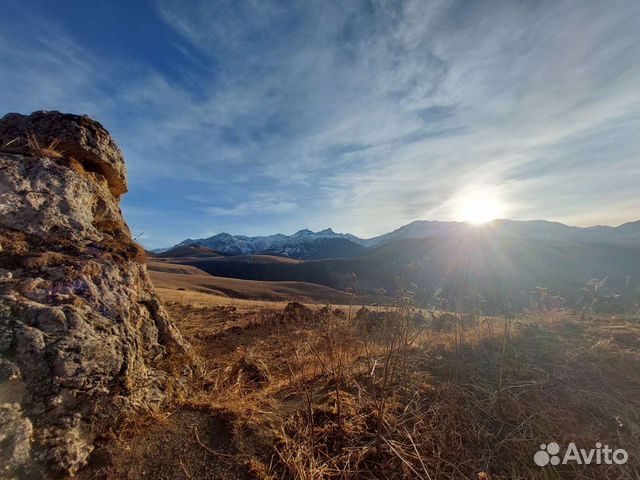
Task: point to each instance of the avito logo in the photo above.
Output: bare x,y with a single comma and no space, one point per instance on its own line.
549,454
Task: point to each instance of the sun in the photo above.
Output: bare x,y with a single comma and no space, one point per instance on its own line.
479,207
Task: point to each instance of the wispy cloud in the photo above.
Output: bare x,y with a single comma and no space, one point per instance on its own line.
250,208
264,203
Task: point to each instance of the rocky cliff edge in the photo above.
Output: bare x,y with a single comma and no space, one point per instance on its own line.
84,340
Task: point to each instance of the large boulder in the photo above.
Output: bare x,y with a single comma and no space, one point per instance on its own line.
73,136
84,341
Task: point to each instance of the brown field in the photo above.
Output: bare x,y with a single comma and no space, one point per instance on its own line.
172,276
260,259
154,266
277,391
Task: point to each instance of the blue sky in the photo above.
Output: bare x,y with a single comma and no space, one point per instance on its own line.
262,117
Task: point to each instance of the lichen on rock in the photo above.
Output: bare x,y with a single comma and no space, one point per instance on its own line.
84,340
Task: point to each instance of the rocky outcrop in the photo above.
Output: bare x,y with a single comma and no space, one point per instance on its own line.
73,136
84,340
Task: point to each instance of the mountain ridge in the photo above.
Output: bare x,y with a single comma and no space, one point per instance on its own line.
307,244
304,244
484,269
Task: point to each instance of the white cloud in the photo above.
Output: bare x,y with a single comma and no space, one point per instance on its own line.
523,78
261,204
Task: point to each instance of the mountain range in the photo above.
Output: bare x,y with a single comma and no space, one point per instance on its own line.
303,244
308,245
492,265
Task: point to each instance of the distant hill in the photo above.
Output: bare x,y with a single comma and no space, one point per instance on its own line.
501,262
189,278
325,244
303,244
626,234
192,250
483,267
163,266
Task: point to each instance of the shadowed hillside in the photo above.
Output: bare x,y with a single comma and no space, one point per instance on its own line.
189,251
189,278
475,269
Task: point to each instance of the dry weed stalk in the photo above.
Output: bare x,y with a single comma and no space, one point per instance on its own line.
31,145
481,423
505,339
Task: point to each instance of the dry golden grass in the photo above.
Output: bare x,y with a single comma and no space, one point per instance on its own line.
204,300
32,146
478,402
192,298
187,278
326,393
51,150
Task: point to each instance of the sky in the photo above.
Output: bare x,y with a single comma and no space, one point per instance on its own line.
259,117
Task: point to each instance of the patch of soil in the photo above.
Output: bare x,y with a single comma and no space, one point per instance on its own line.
190,444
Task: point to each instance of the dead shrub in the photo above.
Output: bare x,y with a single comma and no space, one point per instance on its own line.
247,371
297,312
444,322
30,145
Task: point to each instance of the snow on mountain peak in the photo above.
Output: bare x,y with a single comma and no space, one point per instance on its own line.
279,244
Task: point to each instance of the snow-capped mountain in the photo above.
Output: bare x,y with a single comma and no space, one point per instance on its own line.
304,244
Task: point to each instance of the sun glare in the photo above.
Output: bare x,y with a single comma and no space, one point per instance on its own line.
479,208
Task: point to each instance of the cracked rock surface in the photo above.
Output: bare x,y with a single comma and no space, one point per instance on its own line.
84,340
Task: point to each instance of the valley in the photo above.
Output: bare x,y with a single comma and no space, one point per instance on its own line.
480,269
